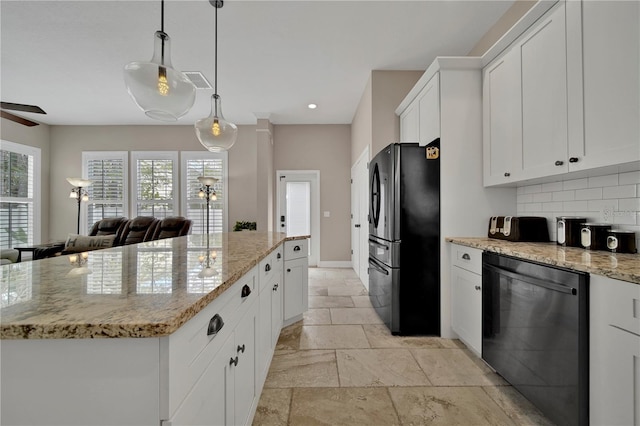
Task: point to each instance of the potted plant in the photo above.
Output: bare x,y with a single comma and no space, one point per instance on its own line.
243,225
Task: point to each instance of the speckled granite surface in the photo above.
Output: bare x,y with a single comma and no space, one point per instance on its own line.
620,266
142,290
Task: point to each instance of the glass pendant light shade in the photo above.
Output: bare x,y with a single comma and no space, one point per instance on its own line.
162,92
214,132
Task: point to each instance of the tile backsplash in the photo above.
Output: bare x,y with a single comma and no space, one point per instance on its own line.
613,199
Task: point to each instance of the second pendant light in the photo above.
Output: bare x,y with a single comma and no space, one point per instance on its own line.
214,132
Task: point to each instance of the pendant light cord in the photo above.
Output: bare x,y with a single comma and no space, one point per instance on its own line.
215,60
162,28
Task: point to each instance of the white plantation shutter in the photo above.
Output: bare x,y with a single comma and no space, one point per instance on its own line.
19,170
155,183
108,192
106,272
195,164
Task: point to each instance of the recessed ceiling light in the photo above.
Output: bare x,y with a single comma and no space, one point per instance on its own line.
312,106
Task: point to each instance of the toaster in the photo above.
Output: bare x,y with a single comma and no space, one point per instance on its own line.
519,228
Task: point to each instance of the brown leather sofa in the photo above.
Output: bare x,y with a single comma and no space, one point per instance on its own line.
170,227
109,226
139,230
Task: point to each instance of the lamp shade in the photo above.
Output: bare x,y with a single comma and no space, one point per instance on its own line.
214,132
207,180
79,182
162,92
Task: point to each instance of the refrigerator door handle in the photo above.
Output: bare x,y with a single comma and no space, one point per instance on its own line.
374,242
375,266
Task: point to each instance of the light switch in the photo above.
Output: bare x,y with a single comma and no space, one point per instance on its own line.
327,214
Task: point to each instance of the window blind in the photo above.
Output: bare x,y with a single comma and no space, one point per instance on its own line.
107,192
16,191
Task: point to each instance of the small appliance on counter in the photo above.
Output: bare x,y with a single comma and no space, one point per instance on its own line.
593,236
568,230
621,241
519,228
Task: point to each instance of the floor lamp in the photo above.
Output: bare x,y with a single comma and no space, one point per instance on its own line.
80,193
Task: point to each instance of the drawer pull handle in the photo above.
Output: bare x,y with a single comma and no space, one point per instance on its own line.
559,163
267,267
466,256
296,248
233,361
246,291
478,287
573,159
507,174
215,325
279,256
240,349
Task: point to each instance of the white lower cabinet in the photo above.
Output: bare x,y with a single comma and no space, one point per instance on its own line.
296,280
270,312
614,352
466,296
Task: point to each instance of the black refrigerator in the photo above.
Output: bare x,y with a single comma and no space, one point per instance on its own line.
404,237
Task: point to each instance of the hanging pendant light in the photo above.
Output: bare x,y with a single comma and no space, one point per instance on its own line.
162,92
214,132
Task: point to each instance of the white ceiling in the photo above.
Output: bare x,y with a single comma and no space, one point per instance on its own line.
275,57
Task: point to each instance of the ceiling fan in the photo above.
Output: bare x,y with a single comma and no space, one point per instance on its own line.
19,107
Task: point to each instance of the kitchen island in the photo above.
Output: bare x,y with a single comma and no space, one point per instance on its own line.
143,334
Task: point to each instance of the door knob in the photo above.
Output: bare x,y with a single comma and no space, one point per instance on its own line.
357,225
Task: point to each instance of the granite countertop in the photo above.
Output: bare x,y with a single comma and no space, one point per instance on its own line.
141,290
620,266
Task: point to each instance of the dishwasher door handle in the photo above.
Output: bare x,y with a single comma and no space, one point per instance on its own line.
532,280
375,266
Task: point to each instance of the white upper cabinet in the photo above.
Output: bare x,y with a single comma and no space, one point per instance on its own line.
565,95
525,105
543,75
604,83
502,120
420,121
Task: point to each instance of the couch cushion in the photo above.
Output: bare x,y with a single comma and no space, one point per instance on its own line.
79,243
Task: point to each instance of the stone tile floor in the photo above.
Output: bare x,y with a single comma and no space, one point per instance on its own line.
341,366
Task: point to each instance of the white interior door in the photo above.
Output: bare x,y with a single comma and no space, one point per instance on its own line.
359,217
299,207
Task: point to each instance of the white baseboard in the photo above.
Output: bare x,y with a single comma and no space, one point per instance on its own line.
334,264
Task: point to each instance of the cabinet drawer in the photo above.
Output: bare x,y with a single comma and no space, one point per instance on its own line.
270,266
190,349
467,258
624,300
296,249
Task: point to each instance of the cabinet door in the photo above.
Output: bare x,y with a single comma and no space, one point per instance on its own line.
607,63
617,401
245,392
265,338
466,307
429,111
276,311
210,402
502,115
543,73
409,124
296,299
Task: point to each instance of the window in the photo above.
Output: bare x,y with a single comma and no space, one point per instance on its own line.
19,205
155,182
108,192
208,164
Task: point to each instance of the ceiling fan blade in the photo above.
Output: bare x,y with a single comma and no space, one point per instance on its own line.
19,120
22,107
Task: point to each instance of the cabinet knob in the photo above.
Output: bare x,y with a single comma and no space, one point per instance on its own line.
267,267
288,270
233,361
466,256
240,349
559,163
215,325
279,256
573,160
275,287
507,174
246,291
478,287
357,225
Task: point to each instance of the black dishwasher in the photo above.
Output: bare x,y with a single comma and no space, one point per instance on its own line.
535,333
